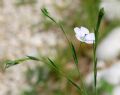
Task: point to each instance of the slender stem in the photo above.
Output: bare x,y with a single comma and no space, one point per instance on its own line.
100,15
95,69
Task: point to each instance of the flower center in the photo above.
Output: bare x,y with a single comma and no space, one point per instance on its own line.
83,38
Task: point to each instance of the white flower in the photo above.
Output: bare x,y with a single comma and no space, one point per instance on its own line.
83,35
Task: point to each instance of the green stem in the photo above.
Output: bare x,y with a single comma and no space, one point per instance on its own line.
100,15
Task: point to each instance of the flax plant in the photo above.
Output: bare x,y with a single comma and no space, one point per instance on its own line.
83,35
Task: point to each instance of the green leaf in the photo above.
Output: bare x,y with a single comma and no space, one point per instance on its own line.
74,53
63,74
33,58
56,68
53,64
101,13
100,16
10,63
74,84
44,10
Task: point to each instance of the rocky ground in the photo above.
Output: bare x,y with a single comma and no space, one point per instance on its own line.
19,38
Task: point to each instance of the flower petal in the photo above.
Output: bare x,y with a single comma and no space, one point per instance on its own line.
82,31
89,41
77,30
90,37
78,37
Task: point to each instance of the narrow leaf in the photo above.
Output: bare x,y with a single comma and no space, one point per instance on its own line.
33,58
74,54
73,83
100,16
10,63
44,10
53,64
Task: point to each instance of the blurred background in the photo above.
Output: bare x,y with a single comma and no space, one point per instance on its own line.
25,31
